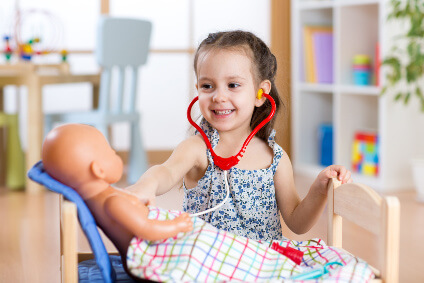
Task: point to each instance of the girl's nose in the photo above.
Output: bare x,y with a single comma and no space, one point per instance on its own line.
219,96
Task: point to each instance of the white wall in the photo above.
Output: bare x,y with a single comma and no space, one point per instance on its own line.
165,80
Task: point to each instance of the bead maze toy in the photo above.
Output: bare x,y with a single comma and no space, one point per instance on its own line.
365,153
27,38
7,50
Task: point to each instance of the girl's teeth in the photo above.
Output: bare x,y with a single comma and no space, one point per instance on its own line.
223,112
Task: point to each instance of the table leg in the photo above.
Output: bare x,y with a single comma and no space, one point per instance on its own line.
2,144
95,97
34,128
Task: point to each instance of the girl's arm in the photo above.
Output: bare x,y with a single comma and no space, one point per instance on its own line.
159,179
301,215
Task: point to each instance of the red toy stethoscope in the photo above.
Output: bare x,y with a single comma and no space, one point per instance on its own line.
226,163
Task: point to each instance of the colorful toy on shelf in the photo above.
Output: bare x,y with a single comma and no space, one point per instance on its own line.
361,70
7,50
64,55
27,50
365,153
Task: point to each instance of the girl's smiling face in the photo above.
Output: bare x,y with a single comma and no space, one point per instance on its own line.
227,89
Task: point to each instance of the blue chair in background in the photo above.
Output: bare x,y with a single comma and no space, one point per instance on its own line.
122,48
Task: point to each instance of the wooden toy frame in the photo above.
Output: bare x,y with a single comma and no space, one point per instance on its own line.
354,202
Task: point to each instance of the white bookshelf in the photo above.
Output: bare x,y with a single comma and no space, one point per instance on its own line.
358,25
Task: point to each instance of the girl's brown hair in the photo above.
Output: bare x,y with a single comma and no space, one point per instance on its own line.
264,68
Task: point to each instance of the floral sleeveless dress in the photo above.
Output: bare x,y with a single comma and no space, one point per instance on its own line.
251,210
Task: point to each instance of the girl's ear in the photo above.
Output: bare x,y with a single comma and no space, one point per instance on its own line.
97,170
265,85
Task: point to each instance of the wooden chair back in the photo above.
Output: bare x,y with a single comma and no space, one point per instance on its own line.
379,215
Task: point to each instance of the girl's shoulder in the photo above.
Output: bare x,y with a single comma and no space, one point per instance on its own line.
194,147
195,141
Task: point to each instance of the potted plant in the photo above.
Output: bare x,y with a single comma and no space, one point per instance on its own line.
405,77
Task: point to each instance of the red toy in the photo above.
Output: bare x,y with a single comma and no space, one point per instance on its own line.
293,254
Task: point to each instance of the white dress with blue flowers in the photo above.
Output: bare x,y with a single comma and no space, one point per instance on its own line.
251,210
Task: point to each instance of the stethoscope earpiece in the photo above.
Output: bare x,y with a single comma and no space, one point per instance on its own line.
260,93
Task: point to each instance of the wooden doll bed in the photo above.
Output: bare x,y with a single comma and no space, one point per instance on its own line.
354,202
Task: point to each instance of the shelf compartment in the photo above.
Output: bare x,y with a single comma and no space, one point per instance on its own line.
354,41
322,16
356,113
317,108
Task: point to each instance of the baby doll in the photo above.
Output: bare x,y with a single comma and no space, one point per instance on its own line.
80,157
167,245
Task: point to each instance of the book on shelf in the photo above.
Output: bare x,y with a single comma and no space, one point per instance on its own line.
325,140
318,54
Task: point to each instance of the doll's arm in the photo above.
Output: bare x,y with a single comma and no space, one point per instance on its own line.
133,217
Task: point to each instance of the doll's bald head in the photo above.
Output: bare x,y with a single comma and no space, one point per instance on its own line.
76,154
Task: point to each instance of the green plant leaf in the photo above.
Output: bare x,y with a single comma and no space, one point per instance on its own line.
406,64
383,91
413,71
406,99
413,49
419,93
395,75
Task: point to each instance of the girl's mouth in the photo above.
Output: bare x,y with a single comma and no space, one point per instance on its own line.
223,112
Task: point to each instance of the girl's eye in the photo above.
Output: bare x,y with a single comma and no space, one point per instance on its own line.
233,85
206,86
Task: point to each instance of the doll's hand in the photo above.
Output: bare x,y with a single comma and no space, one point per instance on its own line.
184,223
332,171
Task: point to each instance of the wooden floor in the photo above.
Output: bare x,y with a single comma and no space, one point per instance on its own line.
29,236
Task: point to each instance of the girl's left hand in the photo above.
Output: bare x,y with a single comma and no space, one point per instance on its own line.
332,171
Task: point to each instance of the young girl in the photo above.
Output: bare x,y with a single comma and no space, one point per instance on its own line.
231,67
